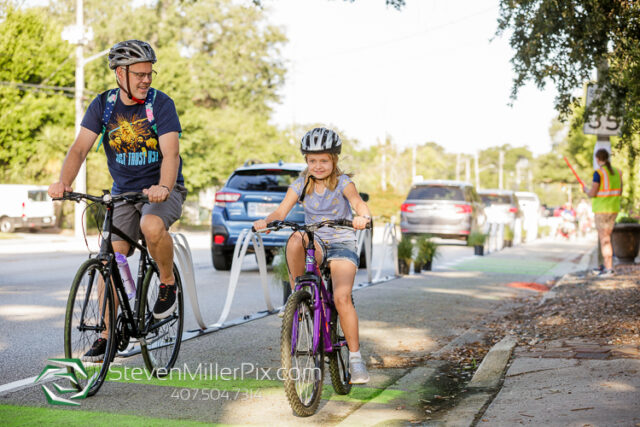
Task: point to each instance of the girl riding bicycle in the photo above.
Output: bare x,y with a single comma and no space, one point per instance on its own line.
325,192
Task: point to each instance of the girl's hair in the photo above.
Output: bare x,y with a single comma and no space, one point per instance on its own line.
603,156
331,181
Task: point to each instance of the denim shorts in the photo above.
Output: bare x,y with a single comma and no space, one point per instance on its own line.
341,250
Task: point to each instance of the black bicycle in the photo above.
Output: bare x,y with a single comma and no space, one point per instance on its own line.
92,307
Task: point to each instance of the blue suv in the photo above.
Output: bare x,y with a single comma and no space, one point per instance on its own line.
252,192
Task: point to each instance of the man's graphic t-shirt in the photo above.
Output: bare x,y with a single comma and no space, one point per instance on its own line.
131,145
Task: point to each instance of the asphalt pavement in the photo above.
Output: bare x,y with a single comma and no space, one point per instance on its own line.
231,376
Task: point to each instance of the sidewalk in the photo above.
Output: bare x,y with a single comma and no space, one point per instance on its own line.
578,356
422,335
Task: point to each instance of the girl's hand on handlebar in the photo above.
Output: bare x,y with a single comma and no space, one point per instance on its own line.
260,224
360,222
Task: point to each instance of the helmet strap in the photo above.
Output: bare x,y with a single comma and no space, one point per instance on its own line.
128,89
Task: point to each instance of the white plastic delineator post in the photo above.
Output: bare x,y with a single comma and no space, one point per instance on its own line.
363,238
246,236
182,254
389,245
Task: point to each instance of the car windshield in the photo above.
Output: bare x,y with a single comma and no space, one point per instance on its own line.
436,192
277,180
37,195
495,199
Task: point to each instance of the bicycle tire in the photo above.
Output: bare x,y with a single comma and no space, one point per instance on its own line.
339,358
160,347
303,371
77,342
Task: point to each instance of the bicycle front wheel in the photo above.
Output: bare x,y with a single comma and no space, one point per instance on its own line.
90,315
339,358
161,345
303,370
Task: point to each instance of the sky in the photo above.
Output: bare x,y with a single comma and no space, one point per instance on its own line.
428,73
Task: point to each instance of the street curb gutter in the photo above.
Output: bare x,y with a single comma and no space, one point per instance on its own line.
486,379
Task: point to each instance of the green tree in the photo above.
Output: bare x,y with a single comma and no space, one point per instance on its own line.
34,117
566,41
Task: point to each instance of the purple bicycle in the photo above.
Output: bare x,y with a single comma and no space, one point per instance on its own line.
311,329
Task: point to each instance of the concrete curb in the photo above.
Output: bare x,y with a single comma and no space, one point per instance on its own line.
493,365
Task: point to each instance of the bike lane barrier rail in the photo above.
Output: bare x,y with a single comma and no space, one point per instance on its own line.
184,261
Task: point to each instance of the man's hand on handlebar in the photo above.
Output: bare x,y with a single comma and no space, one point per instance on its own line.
157,193
57,190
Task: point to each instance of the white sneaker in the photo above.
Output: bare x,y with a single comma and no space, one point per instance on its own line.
358,371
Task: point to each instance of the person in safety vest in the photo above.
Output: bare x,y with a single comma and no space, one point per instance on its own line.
605,191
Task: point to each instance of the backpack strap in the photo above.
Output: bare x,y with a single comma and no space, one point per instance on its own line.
148,108
112,96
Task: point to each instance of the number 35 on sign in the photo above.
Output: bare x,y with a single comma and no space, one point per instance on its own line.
604,125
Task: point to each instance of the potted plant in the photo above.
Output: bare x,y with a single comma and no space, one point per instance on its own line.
476,239
625,238
281,274
427,251
508,236
405,255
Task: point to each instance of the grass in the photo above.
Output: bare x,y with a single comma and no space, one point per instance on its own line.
28,415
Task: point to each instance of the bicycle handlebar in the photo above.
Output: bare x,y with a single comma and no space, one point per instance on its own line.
105,198
335,223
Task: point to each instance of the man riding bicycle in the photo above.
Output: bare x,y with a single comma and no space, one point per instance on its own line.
140,128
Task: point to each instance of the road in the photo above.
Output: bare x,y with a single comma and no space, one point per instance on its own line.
37,269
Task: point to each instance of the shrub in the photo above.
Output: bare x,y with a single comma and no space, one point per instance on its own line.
476,238
405,249
508,232
427,250
280,270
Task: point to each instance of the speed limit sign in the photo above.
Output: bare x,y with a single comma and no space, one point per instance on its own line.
602,125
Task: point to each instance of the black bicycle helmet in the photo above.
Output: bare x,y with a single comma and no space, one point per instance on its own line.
321,140
130,52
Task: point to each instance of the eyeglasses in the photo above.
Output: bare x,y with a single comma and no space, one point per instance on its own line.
141,76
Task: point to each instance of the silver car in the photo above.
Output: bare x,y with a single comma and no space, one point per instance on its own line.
501,206
443,208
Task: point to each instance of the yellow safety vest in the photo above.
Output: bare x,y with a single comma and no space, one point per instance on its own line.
608,198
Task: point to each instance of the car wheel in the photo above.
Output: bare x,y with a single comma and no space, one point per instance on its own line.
6,226
222,260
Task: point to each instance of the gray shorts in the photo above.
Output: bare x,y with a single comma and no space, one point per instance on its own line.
126,216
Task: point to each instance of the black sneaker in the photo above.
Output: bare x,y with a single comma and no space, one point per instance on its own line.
96,352
166,302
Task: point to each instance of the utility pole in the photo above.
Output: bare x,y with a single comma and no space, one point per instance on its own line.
475,160
467,170
500,171
413,164
79,35
457,166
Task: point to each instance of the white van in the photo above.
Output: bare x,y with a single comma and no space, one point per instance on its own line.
25,206
530,205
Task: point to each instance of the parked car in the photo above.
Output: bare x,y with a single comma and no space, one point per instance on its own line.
25,206
501,206
253,191
443,208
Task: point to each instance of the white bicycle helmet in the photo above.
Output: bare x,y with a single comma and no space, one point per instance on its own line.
130,52
321,140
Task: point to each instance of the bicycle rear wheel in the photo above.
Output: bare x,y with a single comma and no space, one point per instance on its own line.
90,314
339,358
303,370
161,345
